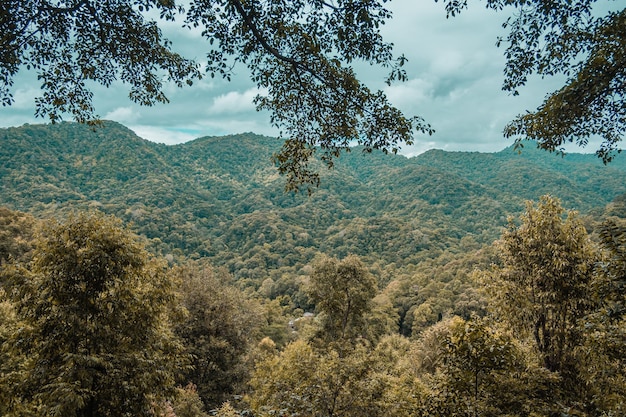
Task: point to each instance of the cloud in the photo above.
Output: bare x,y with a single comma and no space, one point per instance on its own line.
413,93
178,134
24,98
168,136
235,102
123,115
226,126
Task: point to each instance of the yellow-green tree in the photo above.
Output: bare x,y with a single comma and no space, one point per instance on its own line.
12,362
218,332
347,368
97,310
16,235
303,381
603,355
473,368
342,292
542,287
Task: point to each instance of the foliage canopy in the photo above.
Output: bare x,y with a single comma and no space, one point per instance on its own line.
343,292
588,47
69,331
96,312
218,331
543,287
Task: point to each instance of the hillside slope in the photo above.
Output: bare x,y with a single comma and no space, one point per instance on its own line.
221,197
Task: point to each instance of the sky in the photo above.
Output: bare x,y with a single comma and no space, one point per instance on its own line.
455,74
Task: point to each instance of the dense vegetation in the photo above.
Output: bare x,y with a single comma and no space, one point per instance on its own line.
415,311
221,197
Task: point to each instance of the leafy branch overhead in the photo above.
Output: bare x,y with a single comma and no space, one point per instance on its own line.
298,52
73,43
586,45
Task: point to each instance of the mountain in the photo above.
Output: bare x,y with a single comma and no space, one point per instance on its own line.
221,197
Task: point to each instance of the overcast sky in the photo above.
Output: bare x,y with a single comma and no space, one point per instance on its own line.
455,78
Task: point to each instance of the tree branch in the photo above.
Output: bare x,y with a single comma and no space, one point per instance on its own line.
259,36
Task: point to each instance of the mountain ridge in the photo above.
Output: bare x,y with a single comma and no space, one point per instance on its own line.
222,198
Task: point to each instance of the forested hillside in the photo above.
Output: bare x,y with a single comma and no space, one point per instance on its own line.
222,198
381,294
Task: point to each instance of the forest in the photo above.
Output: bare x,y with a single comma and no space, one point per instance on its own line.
140,279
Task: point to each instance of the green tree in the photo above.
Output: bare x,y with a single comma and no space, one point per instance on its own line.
543,286
603,355
300,53
97,310
304,381
218,332
473,368
342,292
16,235
74,42
574,39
